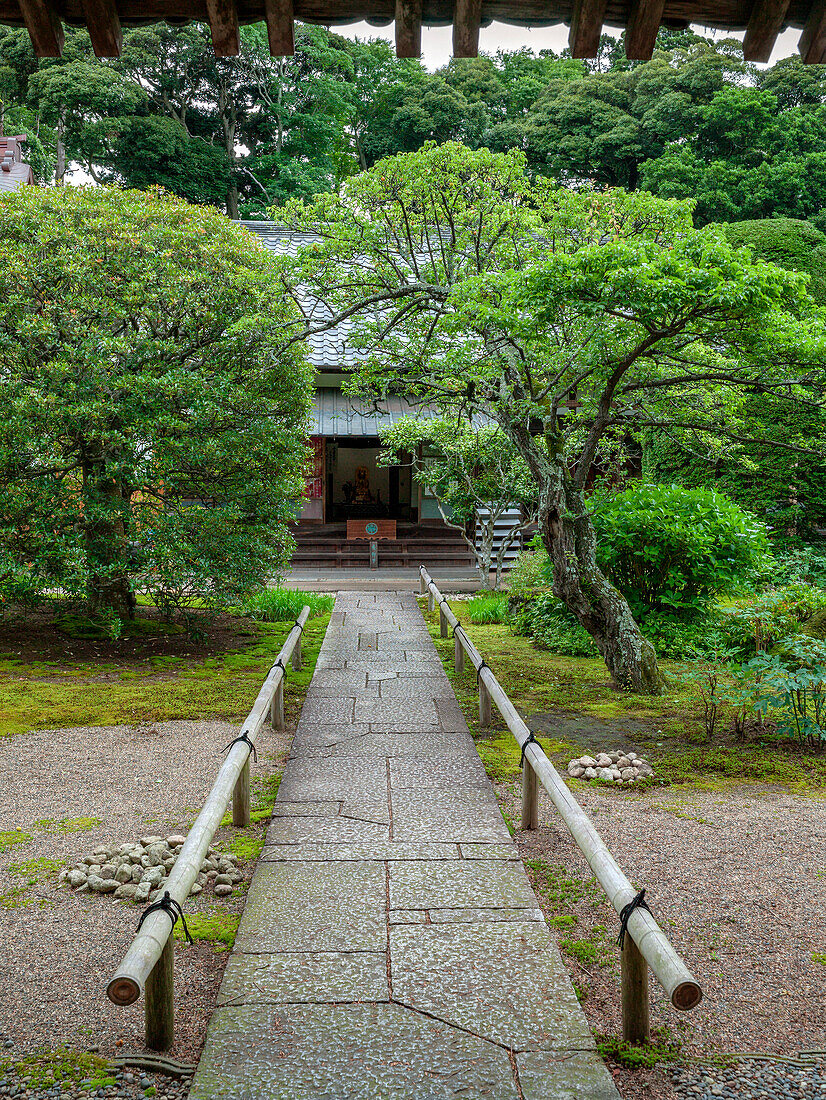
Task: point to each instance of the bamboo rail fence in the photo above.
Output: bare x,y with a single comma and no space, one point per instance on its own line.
147,965
645,944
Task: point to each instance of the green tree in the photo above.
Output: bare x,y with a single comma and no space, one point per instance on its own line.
476,475
568,318
153,435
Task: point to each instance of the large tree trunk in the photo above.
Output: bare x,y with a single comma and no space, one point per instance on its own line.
107,576
568,535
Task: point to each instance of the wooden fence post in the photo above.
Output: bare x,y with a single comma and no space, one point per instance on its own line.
241,798
442,622
159,1004
422,585
635,1022
458,654
277,706
296,657
530,797
431,599
484,704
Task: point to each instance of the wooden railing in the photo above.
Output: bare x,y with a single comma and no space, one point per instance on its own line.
645,944
147,966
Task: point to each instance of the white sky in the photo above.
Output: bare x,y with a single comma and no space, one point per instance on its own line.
437,41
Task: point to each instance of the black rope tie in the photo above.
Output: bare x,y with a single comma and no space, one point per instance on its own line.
638,902
484,664
278,664
458,626
173,910
245,738
529,740
300,627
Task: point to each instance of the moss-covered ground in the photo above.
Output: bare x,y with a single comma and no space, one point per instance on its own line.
108,689
573,707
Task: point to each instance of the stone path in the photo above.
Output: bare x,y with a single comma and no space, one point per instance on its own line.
391,945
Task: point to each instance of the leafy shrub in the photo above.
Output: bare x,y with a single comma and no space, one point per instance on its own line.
551,626
274,605
488,609
531,574
790,685
672,549
801,563
761,622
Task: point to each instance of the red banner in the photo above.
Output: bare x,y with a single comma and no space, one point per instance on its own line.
314,487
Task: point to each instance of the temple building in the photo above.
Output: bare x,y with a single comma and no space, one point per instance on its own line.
14,172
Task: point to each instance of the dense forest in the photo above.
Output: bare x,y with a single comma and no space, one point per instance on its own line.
247,133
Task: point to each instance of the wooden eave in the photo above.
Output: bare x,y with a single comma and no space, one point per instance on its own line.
761,19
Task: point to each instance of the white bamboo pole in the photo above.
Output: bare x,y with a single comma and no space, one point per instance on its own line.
683,990
130,979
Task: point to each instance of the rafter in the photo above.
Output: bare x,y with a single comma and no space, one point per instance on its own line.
44,27
280,30
812,44
587,18
223,25
467,18
765,23
103,24
409,28
644,20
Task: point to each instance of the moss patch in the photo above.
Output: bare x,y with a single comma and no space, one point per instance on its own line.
218,927
46,1068
16,836
28,875
55,695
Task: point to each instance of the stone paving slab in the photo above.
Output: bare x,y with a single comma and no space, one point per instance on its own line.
391,947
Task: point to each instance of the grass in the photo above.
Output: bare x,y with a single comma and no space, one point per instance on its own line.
35,872
662,1047
275,605
9,839
492,608
164,688
668,729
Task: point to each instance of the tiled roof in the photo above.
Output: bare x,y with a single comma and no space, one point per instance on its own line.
328,350
334,413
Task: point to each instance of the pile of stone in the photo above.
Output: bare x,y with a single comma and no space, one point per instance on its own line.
612,767
139,871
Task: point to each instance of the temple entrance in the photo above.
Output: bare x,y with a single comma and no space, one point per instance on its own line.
358,487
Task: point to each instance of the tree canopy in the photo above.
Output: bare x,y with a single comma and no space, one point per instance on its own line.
571,318
154,429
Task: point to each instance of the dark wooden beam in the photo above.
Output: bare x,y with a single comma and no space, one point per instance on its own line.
280,17
467,18
765,23
409,28
644,20
103,24
812,44
587,18
223,24
44,27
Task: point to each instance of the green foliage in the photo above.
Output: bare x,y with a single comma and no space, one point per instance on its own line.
531,574
670,549
488,608
153,430
790,687
759,623
662,1047
43,1069
799,563
548,622
10,838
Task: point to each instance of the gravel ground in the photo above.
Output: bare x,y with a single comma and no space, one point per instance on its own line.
58,948
737,878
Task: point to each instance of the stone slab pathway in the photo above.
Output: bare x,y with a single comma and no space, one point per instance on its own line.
391,946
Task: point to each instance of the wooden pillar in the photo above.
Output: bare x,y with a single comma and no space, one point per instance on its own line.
241,798
277,706
442,621
159,1000
484,704
296,657
530,797
458,654
635,1021
422,585
431,599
